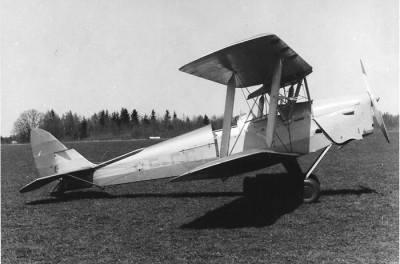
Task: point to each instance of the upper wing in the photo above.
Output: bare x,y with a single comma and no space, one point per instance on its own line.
251,62
248,160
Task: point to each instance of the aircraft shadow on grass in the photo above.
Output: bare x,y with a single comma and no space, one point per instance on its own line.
262,210
272,197
84,195
280,195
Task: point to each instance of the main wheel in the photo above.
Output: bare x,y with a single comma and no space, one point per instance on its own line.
312,191
314,177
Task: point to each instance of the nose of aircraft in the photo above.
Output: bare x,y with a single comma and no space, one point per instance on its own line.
374,104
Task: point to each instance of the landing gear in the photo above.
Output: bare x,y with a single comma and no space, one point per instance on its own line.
312,190
274,185
58,191
314,177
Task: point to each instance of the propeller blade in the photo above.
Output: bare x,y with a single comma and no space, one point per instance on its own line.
377,113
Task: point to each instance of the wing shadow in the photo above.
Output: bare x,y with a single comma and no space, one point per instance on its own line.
84,195
242,212
281,197
274,196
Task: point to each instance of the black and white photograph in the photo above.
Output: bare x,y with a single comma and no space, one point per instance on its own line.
176,131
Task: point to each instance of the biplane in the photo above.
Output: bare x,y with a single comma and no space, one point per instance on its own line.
283,123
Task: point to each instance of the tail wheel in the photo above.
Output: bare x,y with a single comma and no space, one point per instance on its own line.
312,191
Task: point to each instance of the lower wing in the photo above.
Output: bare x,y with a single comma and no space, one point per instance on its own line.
248,160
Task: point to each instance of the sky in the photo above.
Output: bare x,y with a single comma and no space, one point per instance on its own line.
90,55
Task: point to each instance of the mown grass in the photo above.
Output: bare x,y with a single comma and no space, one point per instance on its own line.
355,221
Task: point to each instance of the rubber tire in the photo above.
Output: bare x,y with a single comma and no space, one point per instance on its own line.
312,191
315,178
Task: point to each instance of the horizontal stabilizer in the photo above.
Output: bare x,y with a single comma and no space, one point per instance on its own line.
40,182
238,163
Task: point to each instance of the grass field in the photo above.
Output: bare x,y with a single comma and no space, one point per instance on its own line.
355,221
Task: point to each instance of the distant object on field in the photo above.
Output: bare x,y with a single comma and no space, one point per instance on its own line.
154,137
293,125
14,142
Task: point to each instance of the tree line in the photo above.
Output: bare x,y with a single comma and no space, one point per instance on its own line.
103,125
120,125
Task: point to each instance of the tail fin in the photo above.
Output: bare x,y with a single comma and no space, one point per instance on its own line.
52,157
53,160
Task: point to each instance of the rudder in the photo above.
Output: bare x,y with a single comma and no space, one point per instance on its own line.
52,157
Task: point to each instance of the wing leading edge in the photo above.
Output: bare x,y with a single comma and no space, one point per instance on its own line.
248,160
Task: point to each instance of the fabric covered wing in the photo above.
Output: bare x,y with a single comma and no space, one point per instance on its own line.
251,61
238,163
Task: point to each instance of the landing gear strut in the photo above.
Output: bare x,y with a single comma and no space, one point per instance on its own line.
312,190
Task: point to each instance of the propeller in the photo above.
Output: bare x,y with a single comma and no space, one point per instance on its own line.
374,101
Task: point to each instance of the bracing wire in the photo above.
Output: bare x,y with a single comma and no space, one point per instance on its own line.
247,118
245,98
281,141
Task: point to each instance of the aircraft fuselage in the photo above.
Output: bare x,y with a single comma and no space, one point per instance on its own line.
305,131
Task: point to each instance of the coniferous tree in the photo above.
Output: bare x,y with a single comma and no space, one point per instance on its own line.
166,123
93,123
83,128
175,123
115,118
206,121
52,124
70,124
145,121
102,118
135,118
167,117
153,118
124,117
